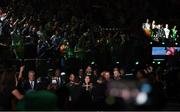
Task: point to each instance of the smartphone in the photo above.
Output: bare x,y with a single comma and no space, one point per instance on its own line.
54,81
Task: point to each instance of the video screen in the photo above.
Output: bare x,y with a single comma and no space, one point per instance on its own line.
161,33
165,51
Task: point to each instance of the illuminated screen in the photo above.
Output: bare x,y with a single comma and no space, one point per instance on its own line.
162,51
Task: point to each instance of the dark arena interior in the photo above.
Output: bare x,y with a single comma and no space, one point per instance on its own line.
90,55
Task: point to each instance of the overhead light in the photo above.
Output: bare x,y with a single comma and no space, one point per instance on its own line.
92,62
63,73
117,62
158,62
137,63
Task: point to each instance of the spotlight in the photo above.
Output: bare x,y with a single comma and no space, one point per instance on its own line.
158,62
163,43
151,43
92,63
153,62
176,43
117,62
63,73
137,63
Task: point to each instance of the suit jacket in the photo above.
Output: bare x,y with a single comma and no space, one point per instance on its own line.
26,86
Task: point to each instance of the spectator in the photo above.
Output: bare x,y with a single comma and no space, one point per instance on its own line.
101,78
140,75
107,76
30,84
88,71
80,75
57,76
8,89
86,98
116,74
74,91
87,84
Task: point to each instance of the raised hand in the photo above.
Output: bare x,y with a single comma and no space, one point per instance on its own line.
22,68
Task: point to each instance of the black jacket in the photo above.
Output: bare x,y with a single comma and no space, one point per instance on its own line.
27,87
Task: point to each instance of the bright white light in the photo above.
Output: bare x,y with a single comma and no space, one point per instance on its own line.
163,43
63,73
92,62
141,98
150,42
137,63
117,62
176,43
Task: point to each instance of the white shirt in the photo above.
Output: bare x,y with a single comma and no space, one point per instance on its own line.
59,80
32,84
153,26
167,31
146,26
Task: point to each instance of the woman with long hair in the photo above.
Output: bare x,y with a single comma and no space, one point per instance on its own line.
87,84
8,89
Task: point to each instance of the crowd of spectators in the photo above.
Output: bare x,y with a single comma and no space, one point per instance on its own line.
145,88
30,36
61,31
43,26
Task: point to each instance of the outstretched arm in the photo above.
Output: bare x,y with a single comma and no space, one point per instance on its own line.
20,77
17,94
